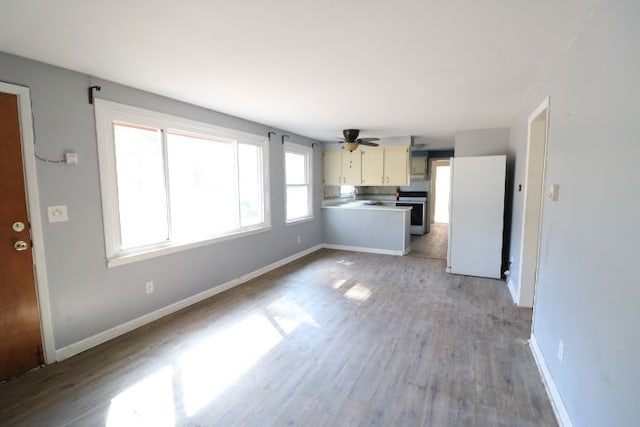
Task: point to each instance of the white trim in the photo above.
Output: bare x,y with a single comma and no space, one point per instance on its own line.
106,112
101,337
179,247
363,249
527,283
33,202
307,152
560,410
298,221
513,291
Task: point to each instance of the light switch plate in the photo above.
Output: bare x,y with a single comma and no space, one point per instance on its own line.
57,213
553,192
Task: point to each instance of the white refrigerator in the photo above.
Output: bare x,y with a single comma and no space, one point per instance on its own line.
476,212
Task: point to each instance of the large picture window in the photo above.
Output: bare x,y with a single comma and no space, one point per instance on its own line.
298,161
169,183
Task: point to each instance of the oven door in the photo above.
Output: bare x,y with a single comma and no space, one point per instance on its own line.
417,216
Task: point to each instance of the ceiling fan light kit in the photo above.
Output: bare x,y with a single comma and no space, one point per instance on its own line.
351,145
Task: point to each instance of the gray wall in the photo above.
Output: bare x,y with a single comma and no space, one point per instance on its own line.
481,142
86,297
588,292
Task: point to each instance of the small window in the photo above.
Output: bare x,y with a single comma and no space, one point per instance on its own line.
169,183
347,190
298,161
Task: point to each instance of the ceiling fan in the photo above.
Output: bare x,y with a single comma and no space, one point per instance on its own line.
351,140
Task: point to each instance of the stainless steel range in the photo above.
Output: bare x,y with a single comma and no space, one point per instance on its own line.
417,200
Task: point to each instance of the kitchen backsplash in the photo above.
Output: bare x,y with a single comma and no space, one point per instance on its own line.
377,191
333,191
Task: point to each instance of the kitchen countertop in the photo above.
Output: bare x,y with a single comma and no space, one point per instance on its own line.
363,204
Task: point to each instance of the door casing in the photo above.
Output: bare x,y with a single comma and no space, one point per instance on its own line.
533,204
33,207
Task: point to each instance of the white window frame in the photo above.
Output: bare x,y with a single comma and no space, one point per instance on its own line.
308,155
106,113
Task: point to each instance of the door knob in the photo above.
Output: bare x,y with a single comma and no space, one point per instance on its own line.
21,245
17,226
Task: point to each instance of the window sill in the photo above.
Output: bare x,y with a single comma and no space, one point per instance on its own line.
149,253
299,220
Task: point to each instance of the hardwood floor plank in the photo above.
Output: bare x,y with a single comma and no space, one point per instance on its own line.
374,341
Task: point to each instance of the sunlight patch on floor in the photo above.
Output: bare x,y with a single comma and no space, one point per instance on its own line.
338,283
289,315
215,364
358,292
147,403
207,369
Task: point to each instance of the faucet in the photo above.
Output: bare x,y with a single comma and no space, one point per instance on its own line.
354,193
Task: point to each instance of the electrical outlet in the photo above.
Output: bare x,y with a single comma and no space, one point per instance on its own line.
560,350
299,239
149,287
71,158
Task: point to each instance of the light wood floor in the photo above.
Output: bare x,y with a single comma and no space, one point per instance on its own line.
336,339
433,244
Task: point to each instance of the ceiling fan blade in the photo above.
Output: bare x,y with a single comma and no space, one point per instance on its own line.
368,139
370,144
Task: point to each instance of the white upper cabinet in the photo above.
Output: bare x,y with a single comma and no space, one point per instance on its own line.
352,167
332,167
396,165
372,166
367,166
342,167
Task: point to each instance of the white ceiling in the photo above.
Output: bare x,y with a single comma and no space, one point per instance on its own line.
405,67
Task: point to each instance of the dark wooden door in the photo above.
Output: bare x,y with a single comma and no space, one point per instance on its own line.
20,337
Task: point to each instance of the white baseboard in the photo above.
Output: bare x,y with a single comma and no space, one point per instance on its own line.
101,337
562,416
512,290
361,249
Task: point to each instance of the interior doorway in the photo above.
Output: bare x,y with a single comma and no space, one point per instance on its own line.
25,326
533,203
440,189
434,244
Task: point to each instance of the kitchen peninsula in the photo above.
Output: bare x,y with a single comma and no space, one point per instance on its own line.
367,226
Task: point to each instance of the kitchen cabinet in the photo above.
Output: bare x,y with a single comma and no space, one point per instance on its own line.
352,167
332,160
419,165
372,166
396,165
367,166
342,167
